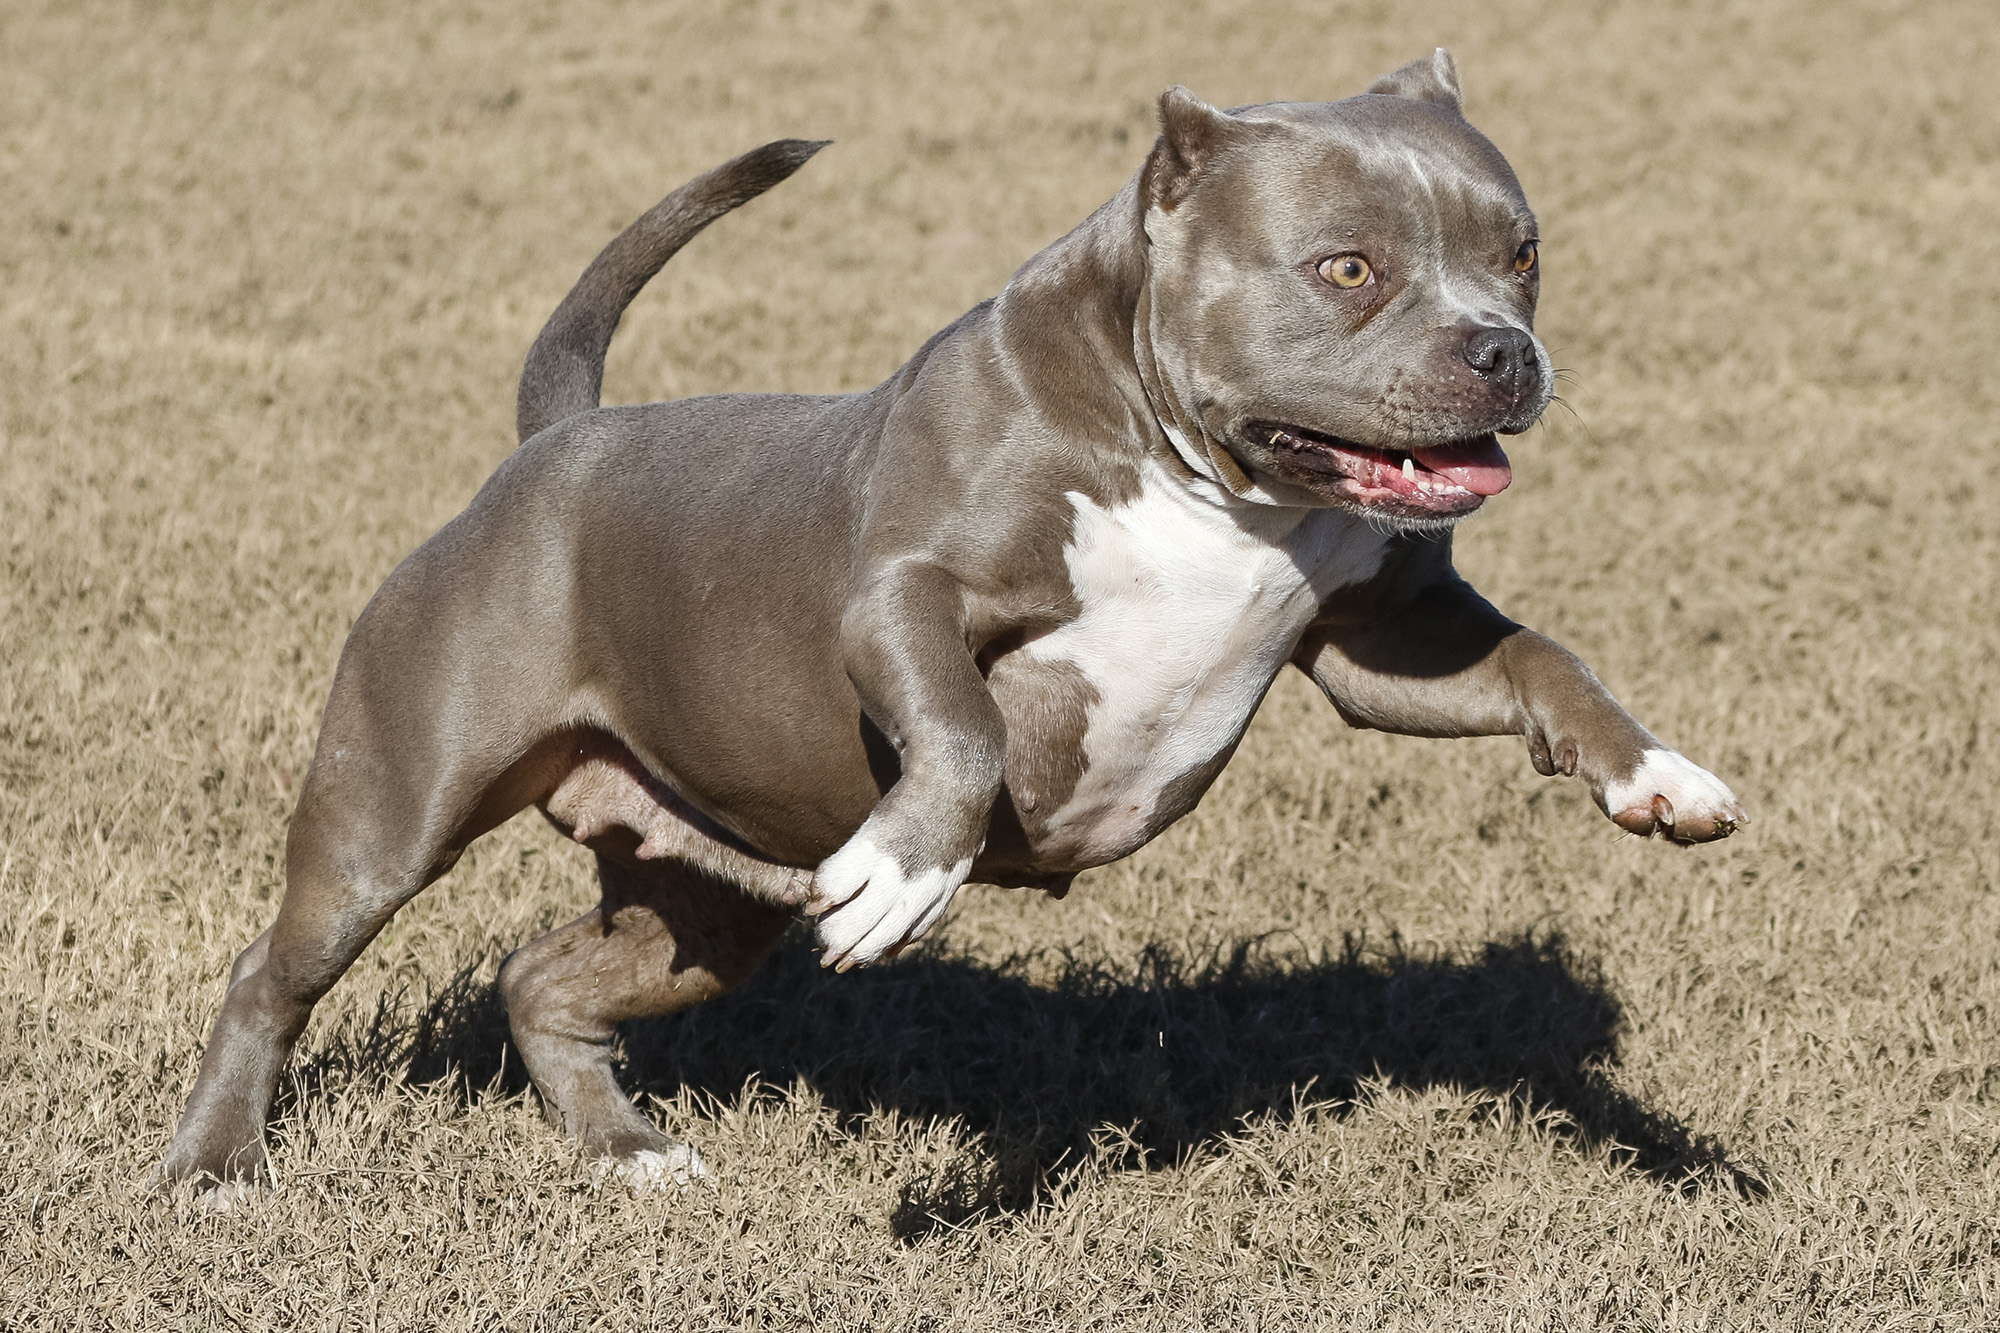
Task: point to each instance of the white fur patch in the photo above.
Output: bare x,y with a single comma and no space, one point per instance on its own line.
1189,608
235,1196
1696,793
870,906
649,1172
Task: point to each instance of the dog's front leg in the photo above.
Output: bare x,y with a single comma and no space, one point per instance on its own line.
903,640
1447,664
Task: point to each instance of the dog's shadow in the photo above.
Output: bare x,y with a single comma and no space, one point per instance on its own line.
1173,1053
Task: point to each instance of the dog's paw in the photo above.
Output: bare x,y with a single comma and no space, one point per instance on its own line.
234,1196
869,907
655,1172
1671,796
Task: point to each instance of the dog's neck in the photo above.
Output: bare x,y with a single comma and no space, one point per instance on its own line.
1087,300
1074,316
1086,284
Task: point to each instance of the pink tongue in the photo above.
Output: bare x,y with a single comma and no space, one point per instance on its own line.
1478,465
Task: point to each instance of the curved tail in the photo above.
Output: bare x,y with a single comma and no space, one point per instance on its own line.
565,369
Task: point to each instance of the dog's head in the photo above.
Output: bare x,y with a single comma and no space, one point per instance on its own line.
1340,299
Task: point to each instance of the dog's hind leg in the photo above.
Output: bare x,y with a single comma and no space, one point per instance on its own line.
349,866
391,800
665,937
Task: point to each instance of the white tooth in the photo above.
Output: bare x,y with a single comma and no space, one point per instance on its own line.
1409,469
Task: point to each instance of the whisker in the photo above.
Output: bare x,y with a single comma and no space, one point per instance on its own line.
1575,416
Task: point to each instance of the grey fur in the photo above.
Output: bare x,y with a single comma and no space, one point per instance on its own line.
565,369
1003,616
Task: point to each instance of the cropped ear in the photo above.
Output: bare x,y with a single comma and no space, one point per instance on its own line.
1433,78
1191,133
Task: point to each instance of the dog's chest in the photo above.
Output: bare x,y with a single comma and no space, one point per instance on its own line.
1188,609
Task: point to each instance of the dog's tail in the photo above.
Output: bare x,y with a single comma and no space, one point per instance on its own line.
565,369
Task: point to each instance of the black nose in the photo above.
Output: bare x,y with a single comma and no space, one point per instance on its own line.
1505,358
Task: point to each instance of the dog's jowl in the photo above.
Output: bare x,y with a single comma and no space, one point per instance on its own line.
1001,618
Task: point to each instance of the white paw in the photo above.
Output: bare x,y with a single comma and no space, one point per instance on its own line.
234,1196
649,1172
1669,795
868,907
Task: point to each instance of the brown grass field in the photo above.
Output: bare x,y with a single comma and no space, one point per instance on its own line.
1390,1034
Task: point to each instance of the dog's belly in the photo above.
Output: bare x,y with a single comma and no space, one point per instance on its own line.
1120,718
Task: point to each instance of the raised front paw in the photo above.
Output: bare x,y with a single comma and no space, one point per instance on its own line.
1668,795
870,905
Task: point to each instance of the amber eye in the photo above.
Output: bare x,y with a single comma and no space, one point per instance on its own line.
1348,271
1525,258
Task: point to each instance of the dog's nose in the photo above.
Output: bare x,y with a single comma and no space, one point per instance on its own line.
1505,358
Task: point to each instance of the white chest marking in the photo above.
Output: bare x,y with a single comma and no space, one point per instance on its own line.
1189,608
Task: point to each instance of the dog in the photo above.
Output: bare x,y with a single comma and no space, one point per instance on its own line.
1002,618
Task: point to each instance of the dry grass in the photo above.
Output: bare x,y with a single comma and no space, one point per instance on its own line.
1390,1033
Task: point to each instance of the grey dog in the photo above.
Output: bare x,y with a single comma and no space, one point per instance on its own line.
1002,618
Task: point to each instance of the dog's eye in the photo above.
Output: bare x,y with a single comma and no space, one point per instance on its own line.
1349,271
1526,257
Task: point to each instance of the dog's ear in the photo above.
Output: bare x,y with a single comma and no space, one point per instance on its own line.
1191,133
1434,78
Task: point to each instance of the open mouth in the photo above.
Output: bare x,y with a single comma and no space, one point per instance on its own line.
1430,481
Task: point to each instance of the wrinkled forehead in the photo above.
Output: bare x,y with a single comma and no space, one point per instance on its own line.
1375,163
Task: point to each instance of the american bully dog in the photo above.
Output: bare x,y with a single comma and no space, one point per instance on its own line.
1002,618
